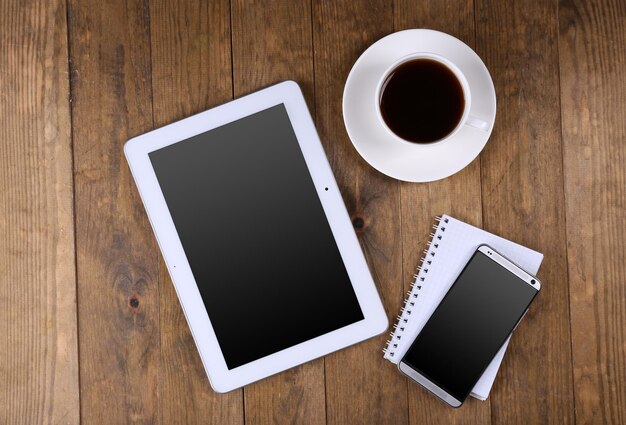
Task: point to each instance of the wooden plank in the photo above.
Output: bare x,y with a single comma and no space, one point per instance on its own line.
592,45
522,194
38,345
191,71
361,387
458,195
117,260
272,42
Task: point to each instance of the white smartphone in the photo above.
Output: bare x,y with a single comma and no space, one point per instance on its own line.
482,308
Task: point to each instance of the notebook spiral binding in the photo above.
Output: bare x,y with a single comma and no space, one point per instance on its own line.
418,279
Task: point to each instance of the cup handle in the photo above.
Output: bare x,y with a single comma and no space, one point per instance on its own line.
477,123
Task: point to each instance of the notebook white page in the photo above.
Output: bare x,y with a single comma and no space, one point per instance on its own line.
453,243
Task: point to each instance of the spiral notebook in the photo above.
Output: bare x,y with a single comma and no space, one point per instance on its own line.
452,244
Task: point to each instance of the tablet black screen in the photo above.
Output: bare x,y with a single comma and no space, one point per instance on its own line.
256,236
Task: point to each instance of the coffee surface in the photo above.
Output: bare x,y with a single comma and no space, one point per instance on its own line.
422,101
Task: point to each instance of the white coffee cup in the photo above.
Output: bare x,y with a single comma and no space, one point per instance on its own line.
466,118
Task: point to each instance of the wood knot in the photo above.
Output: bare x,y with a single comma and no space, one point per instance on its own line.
358,223
134,302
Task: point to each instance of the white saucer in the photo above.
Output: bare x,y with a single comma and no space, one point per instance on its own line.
404,161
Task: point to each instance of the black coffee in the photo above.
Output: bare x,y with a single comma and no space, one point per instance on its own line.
422,101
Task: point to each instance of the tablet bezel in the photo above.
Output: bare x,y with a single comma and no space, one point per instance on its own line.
221,378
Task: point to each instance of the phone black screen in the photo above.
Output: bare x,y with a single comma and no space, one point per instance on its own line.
256,236
469,326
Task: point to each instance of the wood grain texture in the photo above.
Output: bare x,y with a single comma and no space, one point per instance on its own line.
361,387
458,195
191,71
38,346
117,259
592,45
522,194
271,43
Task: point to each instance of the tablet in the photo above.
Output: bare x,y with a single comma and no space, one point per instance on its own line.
256,237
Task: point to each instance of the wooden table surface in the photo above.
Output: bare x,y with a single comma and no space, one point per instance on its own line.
91,330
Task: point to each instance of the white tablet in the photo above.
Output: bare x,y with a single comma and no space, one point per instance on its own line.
256,236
